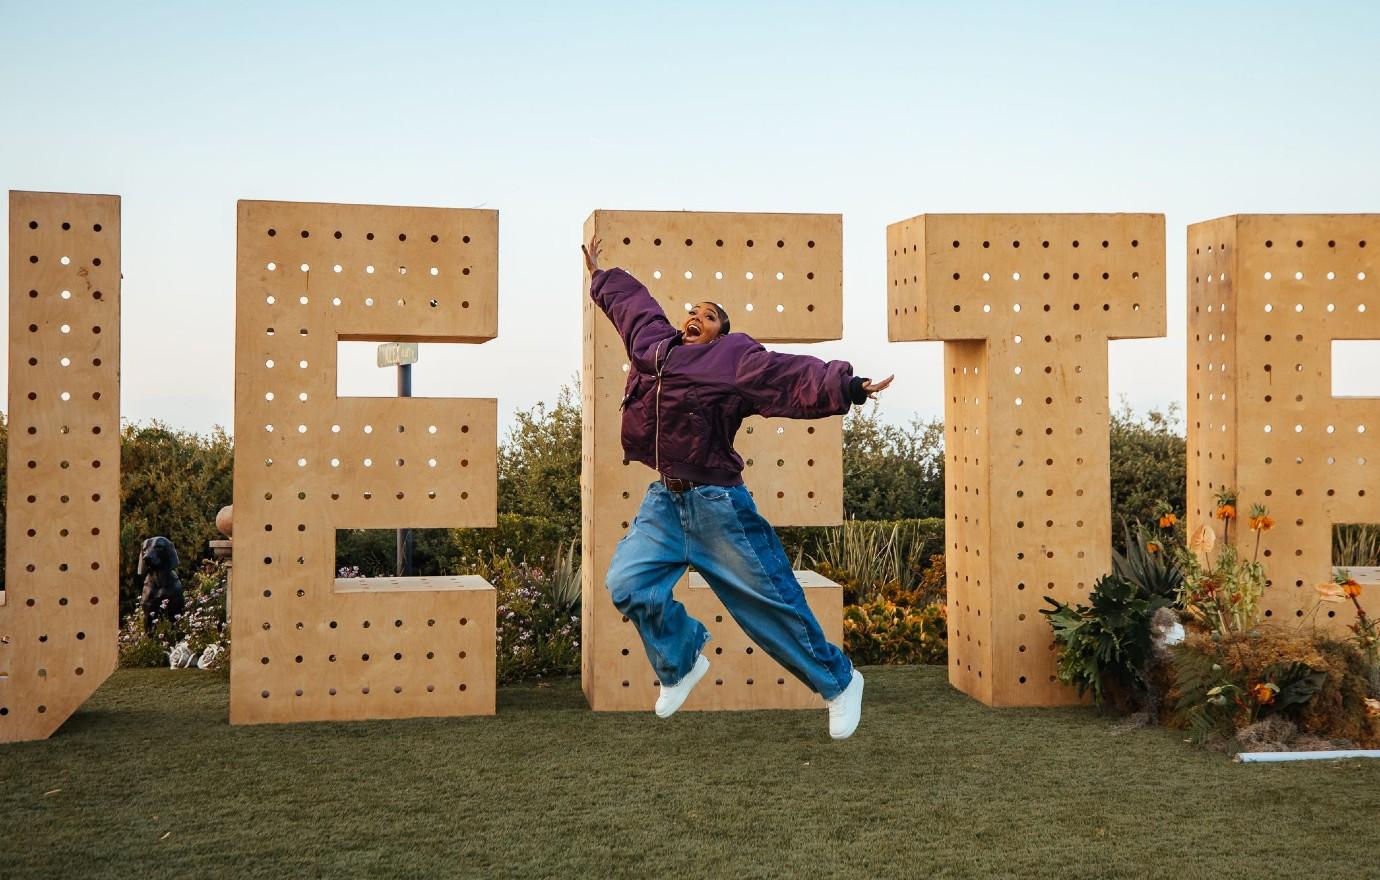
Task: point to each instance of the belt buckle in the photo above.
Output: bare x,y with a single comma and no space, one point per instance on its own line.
676,484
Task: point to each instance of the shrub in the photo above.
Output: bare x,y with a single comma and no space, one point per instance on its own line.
870,553
445,551
1227,683
172,483
892,471
1149,463
1105,647
881,631
538,614
373,552
930,590
533,539
873,553
539,463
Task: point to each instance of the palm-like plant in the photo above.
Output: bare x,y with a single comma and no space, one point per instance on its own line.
1155,573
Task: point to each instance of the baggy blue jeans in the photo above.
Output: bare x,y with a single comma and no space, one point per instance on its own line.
718,530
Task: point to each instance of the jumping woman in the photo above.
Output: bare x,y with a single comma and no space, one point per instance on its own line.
688,391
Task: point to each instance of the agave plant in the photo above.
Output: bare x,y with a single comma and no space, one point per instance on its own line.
1146,564
563,589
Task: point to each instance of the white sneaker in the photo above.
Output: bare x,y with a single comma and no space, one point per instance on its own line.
845,710
672,697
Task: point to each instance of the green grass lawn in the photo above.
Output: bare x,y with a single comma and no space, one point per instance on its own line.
933,784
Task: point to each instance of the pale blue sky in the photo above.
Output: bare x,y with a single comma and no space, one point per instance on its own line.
879,111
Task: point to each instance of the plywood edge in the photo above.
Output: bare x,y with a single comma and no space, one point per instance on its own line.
808,580
488,336
249,204
468,583
614,213
38,193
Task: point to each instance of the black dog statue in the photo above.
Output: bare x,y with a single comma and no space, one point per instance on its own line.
158,564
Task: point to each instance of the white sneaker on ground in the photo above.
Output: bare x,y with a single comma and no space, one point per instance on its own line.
672,697
845,710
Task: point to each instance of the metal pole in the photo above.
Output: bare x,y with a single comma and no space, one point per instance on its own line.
404,554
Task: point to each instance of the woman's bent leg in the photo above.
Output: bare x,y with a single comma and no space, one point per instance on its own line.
742,560
646,566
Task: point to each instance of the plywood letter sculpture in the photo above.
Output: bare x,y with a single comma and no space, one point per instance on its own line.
780,277
59,609
306,644
1025,304
1267,295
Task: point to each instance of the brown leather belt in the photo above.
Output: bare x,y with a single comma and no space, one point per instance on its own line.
675,484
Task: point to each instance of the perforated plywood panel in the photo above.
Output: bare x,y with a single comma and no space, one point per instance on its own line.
780,277
307,463
1267,295
1025,304
59,611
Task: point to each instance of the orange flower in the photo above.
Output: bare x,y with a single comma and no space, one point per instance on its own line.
1264,693
1211,585
1226,511
1168,520
1152,547
1261,523
1351,589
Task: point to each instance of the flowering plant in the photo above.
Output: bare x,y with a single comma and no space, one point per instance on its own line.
1223,593
538,613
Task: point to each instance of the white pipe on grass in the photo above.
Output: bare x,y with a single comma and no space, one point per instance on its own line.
1264,757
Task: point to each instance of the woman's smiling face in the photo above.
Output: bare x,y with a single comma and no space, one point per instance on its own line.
702,324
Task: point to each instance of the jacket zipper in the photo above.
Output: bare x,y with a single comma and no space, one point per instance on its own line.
656,444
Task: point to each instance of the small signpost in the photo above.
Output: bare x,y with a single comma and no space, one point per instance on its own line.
401,355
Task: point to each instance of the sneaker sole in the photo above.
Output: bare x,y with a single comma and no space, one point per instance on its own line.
696,673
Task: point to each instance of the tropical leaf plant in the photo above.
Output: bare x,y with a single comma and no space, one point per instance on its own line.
1105,646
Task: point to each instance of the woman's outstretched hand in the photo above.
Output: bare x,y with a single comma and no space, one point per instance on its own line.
872,388
591,252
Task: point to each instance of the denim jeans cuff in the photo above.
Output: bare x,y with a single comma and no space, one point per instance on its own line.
847,680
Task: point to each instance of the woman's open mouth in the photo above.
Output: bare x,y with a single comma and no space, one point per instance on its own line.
693,329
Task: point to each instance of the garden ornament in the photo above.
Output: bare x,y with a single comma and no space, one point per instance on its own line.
162,596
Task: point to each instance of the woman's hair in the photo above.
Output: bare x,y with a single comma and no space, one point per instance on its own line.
723,319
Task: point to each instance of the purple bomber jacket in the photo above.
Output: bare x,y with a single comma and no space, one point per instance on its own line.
683,404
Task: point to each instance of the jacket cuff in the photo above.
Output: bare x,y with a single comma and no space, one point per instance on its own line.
856,395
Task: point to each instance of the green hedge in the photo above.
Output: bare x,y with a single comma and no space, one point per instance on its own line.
531,539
